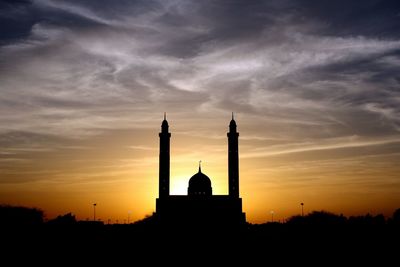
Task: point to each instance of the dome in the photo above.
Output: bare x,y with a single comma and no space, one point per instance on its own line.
200,184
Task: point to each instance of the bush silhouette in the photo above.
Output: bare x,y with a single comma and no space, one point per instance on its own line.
65,219
318,218
16,215
396,216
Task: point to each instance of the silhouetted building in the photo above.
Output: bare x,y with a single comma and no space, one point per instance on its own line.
200,206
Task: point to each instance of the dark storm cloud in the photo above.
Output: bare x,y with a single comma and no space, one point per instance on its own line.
314,86
17,18
332,64
373,18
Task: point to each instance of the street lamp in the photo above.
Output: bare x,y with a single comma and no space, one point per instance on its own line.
94,211
272,215
302,210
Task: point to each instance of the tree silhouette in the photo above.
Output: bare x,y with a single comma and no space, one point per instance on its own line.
17,215
65,219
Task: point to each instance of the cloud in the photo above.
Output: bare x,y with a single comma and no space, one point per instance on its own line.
327,144
314,86
76,69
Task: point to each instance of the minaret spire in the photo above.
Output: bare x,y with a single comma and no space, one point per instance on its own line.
233,159
164,160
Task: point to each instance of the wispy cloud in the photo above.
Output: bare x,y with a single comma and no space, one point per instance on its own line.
142,148
301,77
73,74
328,144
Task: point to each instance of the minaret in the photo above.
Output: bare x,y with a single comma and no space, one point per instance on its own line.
164,160
233,159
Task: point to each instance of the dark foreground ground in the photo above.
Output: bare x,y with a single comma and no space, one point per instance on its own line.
268,244
319,238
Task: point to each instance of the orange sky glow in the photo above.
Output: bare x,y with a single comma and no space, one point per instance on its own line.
314,87
119,172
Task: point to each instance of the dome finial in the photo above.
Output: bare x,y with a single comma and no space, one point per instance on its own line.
199,165
165,115
232,116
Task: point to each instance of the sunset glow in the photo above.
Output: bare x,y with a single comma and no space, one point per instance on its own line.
84,86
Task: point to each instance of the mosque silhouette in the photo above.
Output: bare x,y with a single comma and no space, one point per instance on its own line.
200,206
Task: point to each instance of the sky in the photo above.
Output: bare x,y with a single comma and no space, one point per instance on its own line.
314,85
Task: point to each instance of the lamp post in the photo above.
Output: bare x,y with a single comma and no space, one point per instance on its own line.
272,215
302,210
94,211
